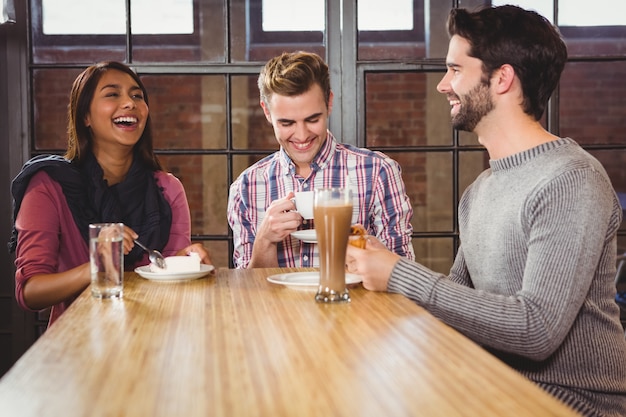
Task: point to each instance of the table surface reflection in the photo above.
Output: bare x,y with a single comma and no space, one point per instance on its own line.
234,344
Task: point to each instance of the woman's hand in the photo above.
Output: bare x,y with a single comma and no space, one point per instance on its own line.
198,248
129,237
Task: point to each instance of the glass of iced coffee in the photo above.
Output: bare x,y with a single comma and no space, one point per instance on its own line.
332,213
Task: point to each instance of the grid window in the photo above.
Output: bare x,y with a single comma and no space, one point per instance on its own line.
200,71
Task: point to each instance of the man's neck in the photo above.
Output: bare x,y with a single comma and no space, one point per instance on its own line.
511,136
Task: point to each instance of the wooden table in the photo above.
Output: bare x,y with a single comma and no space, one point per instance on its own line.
234,344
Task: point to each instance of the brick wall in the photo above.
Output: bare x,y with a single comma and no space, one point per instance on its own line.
189,115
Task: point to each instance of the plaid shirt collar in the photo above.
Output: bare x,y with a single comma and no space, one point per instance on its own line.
319,162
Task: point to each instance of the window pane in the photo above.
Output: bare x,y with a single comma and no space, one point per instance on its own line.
218,250
87,17
598,13
292,15
253,39
95,17
251,130
51,94
207,198
161,16
595,41
162,31
387,15
571,13
427,177
543,7
241,162
187,111
205,43
593,102
471,164
239,29
434,253
392,29
372,15
404,109
56,47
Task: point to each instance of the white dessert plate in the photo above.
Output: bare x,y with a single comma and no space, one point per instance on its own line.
307,236
307,280
145,272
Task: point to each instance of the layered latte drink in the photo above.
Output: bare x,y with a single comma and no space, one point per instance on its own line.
333,216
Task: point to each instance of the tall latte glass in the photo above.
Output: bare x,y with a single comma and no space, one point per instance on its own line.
332,213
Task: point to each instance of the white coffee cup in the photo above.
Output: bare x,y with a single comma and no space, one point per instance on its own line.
304,204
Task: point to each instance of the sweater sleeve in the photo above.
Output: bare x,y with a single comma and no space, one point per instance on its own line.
568,224
242,219
48,239
180,231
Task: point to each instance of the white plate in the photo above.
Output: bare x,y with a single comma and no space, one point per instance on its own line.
307,236
145,272
307,280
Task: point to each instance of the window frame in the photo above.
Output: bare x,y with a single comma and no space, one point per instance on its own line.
90,40
260,37
592,32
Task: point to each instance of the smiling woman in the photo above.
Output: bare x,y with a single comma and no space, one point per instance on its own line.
109,174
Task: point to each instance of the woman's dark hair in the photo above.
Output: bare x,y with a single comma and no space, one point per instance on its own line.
521,38
79,139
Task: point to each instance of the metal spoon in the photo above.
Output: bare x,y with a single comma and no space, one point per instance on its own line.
154,255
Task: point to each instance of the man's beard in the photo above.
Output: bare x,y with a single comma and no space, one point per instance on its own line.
475,104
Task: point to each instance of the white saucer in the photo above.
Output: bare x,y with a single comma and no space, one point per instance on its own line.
307,236
145,272
307,280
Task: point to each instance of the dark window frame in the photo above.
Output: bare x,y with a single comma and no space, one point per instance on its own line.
592,32
87,40
260,37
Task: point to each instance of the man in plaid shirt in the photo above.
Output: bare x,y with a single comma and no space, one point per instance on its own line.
297,100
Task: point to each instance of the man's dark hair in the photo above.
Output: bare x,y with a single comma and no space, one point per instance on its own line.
521,38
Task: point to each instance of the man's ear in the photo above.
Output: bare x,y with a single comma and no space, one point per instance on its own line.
503,78
266,111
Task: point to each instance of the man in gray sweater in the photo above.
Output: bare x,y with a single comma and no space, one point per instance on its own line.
533,281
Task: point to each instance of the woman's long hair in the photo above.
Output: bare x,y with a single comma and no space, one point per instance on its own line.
79,138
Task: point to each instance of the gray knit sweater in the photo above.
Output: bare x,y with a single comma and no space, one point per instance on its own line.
533,281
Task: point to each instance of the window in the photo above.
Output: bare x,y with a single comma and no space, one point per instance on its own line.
94,17
289,21
573,15
372,15
200,73
104,25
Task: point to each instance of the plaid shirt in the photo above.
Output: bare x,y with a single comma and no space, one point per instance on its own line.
380,201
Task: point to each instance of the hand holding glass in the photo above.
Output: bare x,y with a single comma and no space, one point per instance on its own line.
333,215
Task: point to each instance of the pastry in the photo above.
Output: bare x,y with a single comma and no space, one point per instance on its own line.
357,236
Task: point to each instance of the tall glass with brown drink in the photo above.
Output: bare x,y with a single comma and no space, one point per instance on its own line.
332,213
